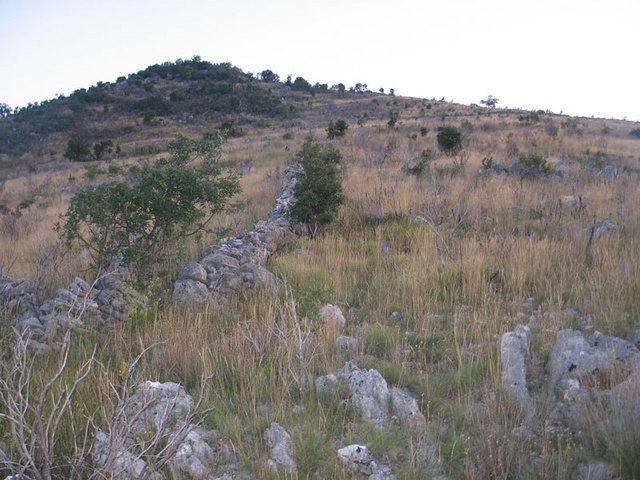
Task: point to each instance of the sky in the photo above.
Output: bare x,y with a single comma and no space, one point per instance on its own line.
579,57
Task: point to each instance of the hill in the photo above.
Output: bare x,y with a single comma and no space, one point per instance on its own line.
474,311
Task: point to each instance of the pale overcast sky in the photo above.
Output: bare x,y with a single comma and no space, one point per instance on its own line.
575,56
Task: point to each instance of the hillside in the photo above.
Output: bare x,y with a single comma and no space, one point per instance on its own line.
466,287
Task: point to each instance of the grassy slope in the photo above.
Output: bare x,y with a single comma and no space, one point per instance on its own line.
515,241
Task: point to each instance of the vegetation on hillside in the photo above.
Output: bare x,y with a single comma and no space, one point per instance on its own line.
440,246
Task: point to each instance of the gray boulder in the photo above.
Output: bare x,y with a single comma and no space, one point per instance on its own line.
515,356
192,271
360,460
405,407
281,448
190,292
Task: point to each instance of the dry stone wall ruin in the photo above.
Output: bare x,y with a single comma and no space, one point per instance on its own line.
238,263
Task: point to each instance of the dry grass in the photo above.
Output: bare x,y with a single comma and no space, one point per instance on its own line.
518,239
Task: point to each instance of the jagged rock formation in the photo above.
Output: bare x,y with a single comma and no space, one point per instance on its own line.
281,449
107,300
371,396
361,461
582,373
162,411
237,264
514,351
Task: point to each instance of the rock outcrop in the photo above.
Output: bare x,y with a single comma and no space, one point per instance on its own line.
281,449
371,397
515,356
360,460
237,264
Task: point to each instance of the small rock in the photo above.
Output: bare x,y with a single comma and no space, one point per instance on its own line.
192,271
347,343
395,316
594,471
281,448
332,317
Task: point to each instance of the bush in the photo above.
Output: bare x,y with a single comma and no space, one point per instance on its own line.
635,133
337,129
318,191
79,146
142,219
419,167
449,140
424,131
535,164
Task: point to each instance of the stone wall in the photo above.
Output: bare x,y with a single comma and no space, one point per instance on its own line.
237,264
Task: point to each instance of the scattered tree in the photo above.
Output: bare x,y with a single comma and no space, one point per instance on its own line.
337,128
79,146
100,148
5,110
490,102
269,77
449,140
318,191
393,119
143,218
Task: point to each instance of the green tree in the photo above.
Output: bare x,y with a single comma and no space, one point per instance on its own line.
449,140
5,110
269,77
318,191
100,148
490,102
393,119
337,128
79,146
144,217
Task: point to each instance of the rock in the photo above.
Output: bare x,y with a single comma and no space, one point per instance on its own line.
514,352
190,292
634,338
125,466
395,316
572,200
601,227
347,343
594,471
608,172
156,404
194,456
332,317
281,448
383,247
360,460
405,407
192,271
219,261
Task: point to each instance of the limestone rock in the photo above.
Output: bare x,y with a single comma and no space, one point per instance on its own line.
281,448
332,317
190,292
360,460
192,271
514,351
405,407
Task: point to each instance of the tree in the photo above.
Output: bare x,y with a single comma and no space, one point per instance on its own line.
5,110
142,218
449,140
269,77
318,191
100,148
393,119
490,102
79,146
337,128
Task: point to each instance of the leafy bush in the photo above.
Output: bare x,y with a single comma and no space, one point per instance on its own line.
143,218
449,140
635,133
535,163
337,128
419,167
424,131
79,146
318,191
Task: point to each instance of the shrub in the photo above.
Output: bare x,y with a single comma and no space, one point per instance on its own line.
142,219
337,128
419,167
635,133
424,131
79,146
393,119
535,163
318,191
449,140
